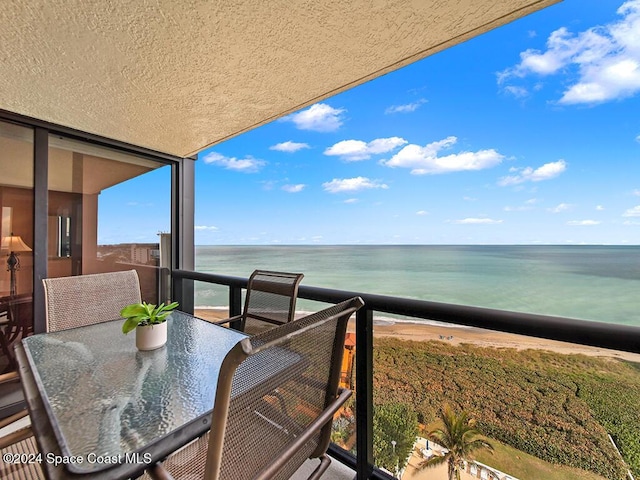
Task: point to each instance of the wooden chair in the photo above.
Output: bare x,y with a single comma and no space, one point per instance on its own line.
16,316
70,302
270,299
256,436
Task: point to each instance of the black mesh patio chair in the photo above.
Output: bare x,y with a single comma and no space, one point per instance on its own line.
270,299
255,435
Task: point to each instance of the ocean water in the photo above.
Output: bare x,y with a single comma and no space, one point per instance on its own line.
599,283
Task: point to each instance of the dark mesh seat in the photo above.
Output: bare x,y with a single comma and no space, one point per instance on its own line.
276,397
270,300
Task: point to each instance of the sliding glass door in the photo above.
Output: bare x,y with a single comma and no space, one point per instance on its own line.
16,238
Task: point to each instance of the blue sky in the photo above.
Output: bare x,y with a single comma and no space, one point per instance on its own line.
528,134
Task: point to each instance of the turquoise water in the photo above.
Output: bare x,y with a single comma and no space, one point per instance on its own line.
589,282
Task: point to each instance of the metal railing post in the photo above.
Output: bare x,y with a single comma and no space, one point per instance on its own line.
364,393
183,293
235,304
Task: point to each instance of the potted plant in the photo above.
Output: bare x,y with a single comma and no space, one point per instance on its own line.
149,321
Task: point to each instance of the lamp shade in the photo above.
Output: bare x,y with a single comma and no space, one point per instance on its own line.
14,243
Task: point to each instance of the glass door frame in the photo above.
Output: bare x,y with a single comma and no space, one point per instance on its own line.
182,199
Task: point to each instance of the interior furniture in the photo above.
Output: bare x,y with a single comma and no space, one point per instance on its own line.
15,323
14,245
16,316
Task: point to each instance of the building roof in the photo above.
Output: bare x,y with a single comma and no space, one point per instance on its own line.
179,76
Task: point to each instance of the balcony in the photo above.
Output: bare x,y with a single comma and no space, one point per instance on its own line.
555,397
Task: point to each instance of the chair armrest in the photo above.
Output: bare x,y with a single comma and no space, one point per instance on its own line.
304,436
228,320
9,377
158,472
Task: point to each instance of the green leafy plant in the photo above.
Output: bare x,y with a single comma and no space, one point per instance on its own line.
145,314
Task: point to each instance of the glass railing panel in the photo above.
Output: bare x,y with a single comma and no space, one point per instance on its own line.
549,409
211,301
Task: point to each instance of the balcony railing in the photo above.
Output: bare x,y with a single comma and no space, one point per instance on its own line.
595,334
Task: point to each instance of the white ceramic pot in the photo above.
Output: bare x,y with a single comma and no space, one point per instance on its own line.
150,337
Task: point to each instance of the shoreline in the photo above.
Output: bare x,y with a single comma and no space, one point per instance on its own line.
456,335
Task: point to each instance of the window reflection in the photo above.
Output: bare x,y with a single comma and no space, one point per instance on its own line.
106,209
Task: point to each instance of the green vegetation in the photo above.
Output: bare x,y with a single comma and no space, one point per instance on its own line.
393,422
460,437
556,407
139,314
510,460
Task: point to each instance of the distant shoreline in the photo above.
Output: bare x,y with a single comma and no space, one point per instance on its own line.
423,245
456,335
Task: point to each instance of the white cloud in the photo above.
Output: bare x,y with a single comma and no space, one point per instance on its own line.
583,223
289,147
338,185
407,108
562,207
518,92
477,221
351,200
294,188
422,212
632,212
606,58
247,164
528,174
637,192
205,227
425,160
600,208
638,139
528,205
355,150
319,117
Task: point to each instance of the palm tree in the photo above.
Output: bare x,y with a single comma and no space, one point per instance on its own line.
458,435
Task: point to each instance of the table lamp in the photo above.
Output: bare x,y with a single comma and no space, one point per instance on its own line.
14,244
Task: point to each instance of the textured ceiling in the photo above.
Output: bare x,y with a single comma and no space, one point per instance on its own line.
179,76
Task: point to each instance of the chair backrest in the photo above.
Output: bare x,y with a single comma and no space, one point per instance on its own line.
88,299
271,297
271,387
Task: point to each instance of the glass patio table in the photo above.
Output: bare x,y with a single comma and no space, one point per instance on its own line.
102,408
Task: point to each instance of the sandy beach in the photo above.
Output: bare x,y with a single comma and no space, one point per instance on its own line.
458,335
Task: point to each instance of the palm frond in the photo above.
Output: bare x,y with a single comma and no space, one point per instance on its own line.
431,462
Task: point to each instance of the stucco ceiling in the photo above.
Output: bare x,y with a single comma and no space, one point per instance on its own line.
179,76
